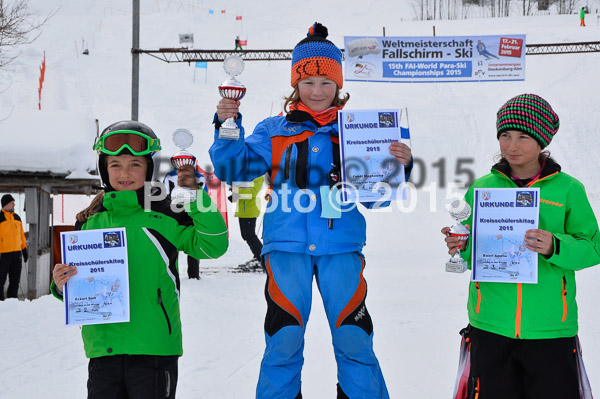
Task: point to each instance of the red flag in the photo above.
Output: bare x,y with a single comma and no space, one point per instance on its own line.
222,11
42,74
238,17
243,42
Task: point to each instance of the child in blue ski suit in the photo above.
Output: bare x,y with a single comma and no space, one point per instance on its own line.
300,151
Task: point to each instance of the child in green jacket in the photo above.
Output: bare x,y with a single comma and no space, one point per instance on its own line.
138,359
523,337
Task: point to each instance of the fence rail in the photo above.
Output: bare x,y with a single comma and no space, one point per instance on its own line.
563,48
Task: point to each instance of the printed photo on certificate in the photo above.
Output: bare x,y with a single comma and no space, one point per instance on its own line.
369,172
501,217
99,292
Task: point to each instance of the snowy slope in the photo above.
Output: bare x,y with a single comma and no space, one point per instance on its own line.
417,308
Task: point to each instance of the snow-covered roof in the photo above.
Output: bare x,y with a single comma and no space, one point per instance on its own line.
57,142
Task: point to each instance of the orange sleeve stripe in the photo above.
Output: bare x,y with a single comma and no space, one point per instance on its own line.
357,298
278,146
278,297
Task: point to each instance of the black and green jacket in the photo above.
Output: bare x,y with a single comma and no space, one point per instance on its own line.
154,239
547,309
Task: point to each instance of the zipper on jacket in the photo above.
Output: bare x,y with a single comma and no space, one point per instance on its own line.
478,297
518,316
162,306
564,298
288,156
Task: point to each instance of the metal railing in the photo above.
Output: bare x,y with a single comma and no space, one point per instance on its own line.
190,55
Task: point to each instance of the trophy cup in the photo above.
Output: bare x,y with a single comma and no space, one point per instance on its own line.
460,211
233,90
183,139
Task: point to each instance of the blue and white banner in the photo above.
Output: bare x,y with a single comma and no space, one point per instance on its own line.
434,59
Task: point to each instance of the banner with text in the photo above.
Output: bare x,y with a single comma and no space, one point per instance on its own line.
434,59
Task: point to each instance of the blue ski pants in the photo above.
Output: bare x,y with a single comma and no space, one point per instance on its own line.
288,293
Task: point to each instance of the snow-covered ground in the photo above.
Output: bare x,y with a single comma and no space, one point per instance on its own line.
417,308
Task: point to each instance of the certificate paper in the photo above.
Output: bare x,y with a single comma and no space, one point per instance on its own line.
369,172
500,219
99,292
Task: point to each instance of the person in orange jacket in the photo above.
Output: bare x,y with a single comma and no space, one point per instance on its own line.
12,246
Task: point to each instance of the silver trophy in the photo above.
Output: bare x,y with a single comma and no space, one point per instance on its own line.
460,211
233,90
183,139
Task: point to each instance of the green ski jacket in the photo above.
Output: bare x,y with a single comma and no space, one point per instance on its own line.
547,309
154,239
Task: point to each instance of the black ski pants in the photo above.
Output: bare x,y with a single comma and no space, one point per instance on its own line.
10,266
132,377
248,230
504,367
193,267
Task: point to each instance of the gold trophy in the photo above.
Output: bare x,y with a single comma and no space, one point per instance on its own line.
233,90
460,211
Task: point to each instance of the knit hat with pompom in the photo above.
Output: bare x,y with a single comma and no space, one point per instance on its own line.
317,56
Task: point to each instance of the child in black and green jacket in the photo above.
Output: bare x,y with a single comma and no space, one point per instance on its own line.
523,337
138,359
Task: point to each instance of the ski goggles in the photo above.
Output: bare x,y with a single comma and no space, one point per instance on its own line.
137,143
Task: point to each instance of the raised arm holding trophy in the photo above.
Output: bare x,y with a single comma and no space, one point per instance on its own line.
233,90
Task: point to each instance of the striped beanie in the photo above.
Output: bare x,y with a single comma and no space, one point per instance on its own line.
530,114
317,56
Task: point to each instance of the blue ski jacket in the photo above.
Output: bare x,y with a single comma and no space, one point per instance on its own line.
299,155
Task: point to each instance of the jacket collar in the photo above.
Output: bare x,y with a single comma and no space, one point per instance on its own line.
123,200
297,116
551,168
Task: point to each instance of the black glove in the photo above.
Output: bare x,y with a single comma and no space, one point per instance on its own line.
25,254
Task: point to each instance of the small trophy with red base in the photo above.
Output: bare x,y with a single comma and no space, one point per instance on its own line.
233,90
460,211
183,139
